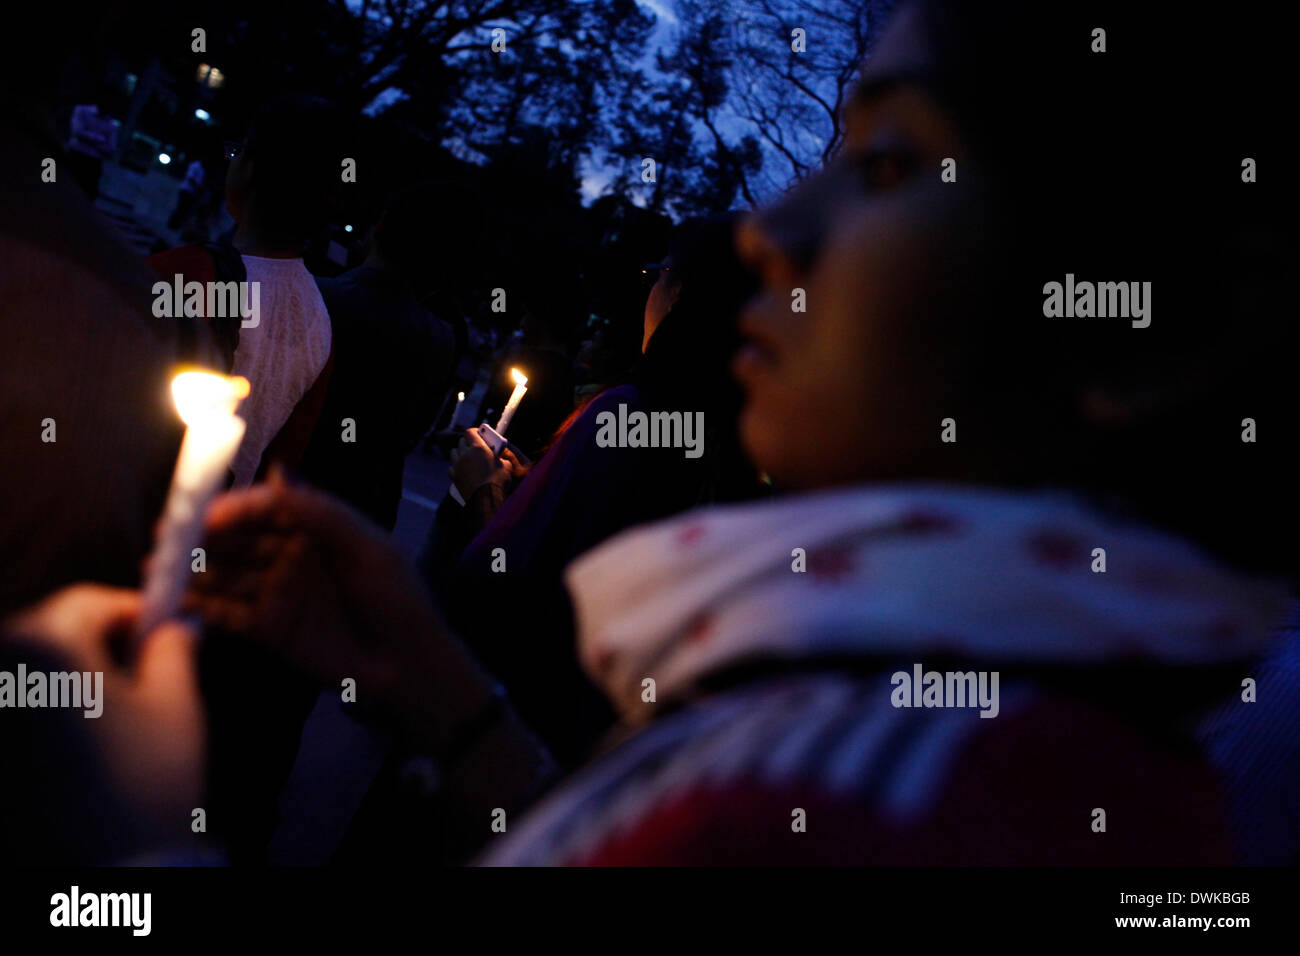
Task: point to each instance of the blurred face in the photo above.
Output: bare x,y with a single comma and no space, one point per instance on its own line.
663,295
886,254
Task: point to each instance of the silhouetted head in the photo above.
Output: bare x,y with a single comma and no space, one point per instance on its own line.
690,315
409,235
281,184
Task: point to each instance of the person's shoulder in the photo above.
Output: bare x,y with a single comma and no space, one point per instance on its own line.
611,398
591,418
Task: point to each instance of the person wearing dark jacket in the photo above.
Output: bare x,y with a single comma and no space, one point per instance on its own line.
393,364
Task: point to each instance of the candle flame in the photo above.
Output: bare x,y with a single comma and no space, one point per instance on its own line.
519,377
200,396
460,396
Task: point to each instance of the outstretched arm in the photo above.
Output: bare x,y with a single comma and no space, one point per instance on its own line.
300,572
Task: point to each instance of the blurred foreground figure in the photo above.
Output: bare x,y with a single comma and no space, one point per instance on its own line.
86,420
116,778
90,439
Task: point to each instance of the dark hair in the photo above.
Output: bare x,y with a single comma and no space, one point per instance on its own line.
407,235
686,365
699,332
1119,166
295,144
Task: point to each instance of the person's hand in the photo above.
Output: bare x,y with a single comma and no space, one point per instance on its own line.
303,574
473,464
151,730
519,464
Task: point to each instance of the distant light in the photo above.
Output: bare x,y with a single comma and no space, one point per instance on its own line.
164,158
347,228
209,76
202,115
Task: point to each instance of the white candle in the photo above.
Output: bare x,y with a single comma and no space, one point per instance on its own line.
521,386
455,414
206,402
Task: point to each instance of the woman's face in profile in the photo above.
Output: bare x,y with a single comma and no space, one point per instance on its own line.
886,258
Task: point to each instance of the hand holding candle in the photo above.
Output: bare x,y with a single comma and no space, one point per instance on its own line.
206,403
495,438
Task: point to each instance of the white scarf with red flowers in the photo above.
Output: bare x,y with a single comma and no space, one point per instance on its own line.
961,572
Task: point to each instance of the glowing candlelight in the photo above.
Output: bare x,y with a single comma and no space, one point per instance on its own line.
521,386
206,403
495,438
455,414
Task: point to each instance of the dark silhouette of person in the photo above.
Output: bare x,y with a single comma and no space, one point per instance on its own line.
393,361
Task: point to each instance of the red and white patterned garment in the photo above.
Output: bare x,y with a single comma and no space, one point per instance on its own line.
773,690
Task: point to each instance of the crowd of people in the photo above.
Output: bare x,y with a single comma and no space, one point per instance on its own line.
629,655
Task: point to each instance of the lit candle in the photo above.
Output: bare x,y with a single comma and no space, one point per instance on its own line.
495,438
206,403
455,414
521,386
